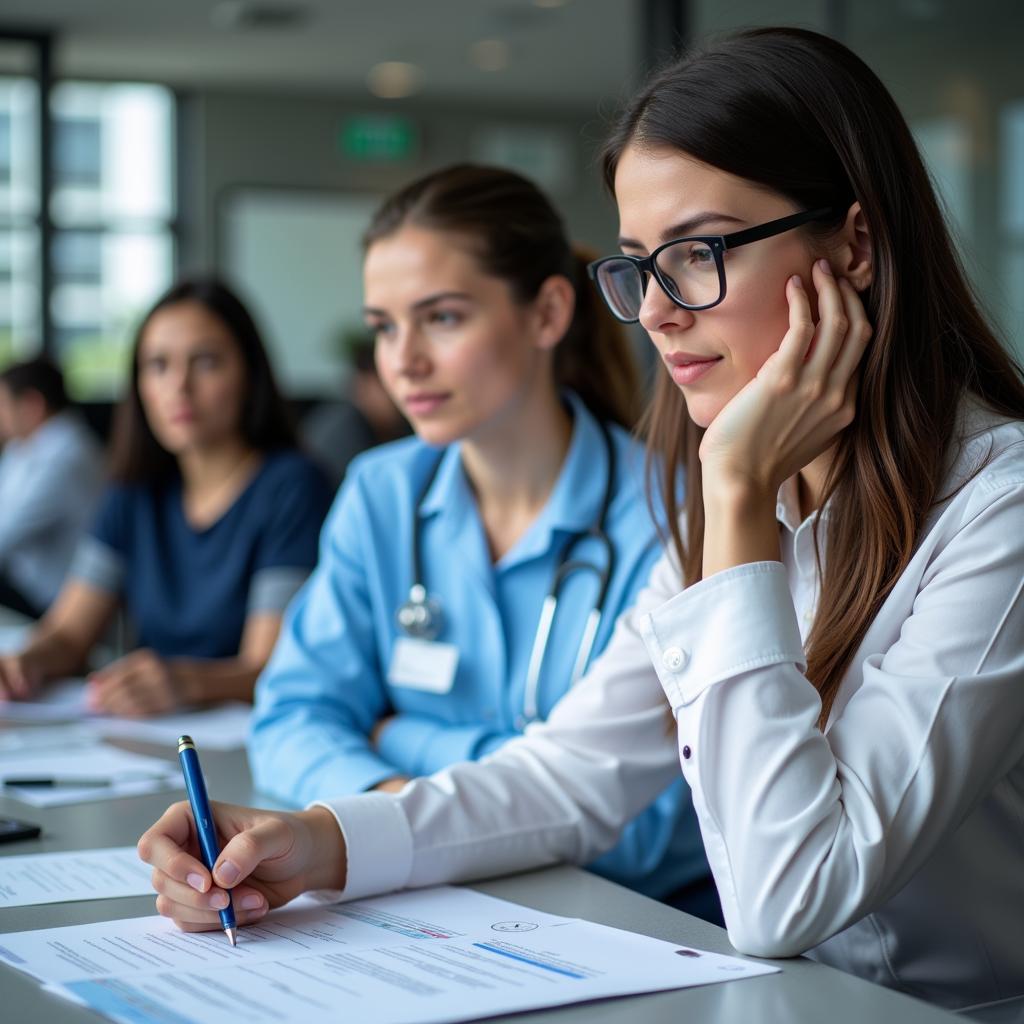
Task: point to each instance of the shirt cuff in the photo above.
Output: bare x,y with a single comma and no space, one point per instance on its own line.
733,622
270,590
378,843
98,565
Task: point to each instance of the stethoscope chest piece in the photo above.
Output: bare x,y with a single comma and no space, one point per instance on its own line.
421,616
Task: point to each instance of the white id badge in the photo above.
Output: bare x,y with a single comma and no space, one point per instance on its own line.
423,665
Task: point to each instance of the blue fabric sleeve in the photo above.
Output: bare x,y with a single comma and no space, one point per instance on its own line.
322,692
111,525
420,745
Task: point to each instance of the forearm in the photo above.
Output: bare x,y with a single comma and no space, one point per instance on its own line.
329,869
53,652
210,680
314,751
739,527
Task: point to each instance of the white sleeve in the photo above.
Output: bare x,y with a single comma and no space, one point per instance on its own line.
561,792
805,832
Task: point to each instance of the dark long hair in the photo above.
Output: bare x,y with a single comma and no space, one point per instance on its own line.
803,116
136,455
518,236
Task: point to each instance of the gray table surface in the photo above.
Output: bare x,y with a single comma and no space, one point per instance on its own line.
804,991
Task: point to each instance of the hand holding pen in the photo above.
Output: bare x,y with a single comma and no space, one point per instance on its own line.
269,858
206,830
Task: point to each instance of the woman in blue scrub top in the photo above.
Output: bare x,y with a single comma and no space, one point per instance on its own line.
519,387
208,528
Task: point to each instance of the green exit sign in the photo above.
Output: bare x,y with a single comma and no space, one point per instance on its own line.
382,139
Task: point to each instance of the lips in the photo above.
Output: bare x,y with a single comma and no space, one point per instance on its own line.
688,367
424,403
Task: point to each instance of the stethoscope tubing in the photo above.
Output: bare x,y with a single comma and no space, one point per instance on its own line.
421,616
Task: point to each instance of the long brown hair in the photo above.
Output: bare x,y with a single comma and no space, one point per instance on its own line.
518,236
803,116
266,423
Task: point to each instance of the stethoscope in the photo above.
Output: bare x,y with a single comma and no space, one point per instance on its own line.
422,617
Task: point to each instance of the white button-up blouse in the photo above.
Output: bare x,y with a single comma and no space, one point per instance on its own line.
892,845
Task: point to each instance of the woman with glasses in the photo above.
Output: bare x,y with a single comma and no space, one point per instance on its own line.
468,575
837,622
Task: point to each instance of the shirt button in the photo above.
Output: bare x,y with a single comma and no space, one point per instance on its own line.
686,753
674,659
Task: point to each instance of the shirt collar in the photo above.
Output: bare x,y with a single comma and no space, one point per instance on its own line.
787,507
574,503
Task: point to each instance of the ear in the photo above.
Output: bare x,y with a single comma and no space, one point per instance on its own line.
853,258
552,311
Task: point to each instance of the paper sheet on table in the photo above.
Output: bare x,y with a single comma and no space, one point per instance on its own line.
45,737
224,727
219,728
33,878
131,774
426,957
60,701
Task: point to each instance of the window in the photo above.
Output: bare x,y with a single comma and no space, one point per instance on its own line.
113,206
20,328
111,217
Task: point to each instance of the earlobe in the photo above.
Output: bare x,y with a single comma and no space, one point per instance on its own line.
855,258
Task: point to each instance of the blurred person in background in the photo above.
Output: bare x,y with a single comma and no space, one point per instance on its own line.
207,529
334,433
50,477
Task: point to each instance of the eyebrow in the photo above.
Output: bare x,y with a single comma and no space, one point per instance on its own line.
685,227
430,300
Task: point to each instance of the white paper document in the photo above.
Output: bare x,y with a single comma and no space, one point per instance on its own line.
225,727
426,957
33,878
127,774
59,701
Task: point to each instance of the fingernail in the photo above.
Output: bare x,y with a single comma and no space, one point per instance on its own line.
219,900
252,902
227,873
196,881
796,282
824,267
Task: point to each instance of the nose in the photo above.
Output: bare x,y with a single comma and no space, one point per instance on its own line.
659,314
408,353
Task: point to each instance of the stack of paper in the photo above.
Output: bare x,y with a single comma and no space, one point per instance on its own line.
437,955
118,772
33,878
219,728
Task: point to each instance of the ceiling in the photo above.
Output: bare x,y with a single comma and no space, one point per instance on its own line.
577,53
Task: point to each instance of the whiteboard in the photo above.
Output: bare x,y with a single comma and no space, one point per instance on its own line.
296,259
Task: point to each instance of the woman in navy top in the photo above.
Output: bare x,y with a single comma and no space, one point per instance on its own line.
208,528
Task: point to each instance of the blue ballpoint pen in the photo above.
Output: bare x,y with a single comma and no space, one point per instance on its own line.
205,828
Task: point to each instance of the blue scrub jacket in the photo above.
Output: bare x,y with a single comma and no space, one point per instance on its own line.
326,684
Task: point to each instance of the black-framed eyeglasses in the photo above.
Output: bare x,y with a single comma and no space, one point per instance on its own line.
690,269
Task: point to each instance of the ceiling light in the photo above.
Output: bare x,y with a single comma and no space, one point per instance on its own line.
489,54
393,79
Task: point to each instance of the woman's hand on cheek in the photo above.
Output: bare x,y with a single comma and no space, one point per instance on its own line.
801,399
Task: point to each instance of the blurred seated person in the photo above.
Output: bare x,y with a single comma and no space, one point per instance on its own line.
334,433
51,471
208,528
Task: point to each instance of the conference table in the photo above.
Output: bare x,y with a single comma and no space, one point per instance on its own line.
803,991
